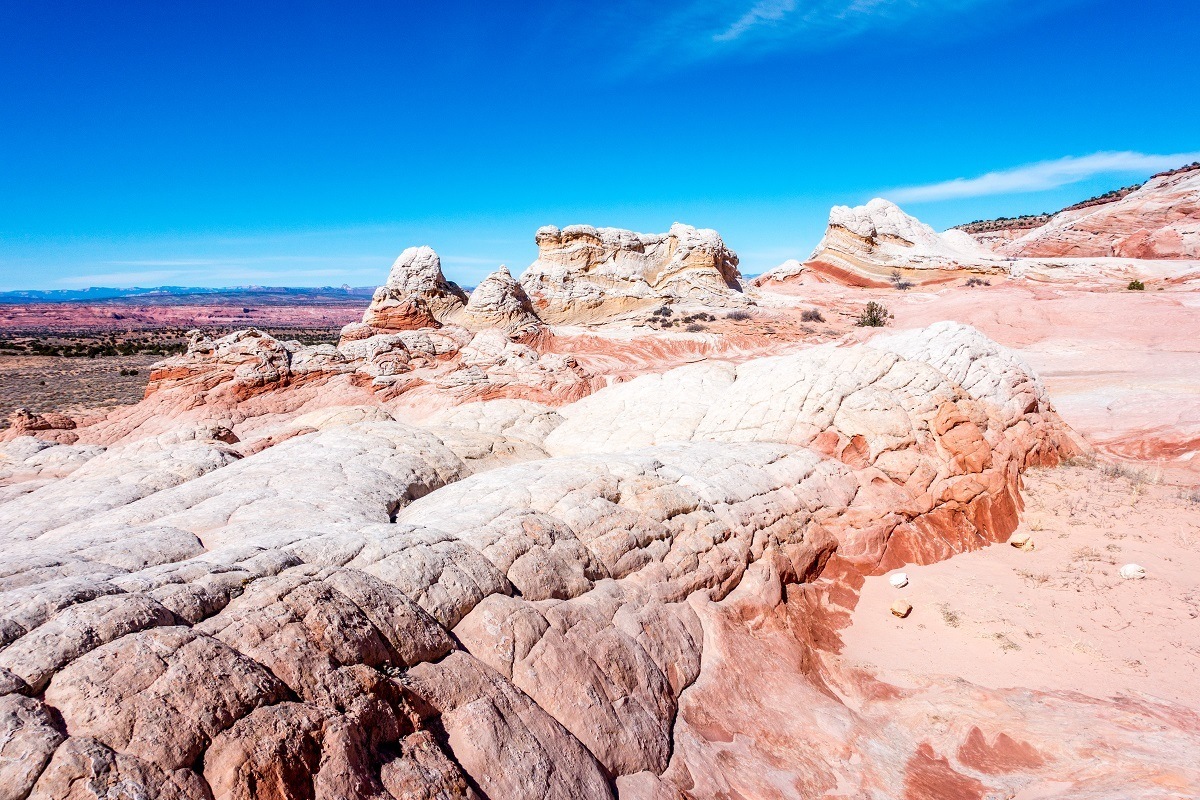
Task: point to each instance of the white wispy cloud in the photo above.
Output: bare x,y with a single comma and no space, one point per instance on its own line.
1042,176
676,33
764,11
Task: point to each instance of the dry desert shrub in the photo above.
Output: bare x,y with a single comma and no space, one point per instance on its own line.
875,315
812,315
1131,474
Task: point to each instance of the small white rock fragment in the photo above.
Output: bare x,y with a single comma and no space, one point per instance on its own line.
899,580
1133,572
901,608
1021,541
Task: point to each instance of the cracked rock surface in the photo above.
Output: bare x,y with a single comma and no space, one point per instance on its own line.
338,597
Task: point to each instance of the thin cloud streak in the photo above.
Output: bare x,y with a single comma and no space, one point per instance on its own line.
696,31
1041,176
763,11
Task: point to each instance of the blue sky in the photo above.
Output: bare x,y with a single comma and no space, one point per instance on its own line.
307,143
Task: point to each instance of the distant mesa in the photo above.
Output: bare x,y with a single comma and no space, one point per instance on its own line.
157,294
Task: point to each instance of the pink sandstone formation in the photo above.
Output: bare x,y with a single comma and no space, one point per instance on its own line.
1160,220
1149,235
470,553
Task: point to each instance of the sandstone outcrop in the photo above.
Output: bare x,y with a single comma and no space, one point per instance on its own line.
478,558
509,599
500,302
584,273
49,426
867,245
250,386
879,246
416,294
1159,220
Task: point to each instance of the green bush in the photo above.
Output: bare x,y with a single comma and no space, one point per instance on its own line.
1137,286
875,315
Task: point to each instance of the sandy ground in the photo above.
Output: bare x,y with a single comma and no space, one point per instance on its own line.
50,383
1058,617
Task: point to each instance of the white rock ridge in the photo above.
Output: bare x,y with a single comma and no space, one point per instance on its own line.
877,244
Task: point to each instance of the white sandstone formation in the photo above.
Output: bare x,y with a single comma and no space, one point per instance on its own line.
984,369
585,273
865,245
877,245
416,295
509,596
500,302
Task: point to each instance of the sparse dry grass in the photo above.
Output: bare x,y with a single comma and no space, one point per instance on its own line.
1034,578
950,616
55,383
1006,643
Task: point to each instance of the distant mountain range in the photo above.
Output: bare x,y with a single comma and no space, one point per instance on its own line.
175,294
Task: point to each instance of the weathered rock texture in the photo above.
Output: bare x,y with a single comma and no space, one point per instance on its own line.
509,601
500,302
866,245
1160,220
463,555
1151,235
248,387
416,295
585,273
